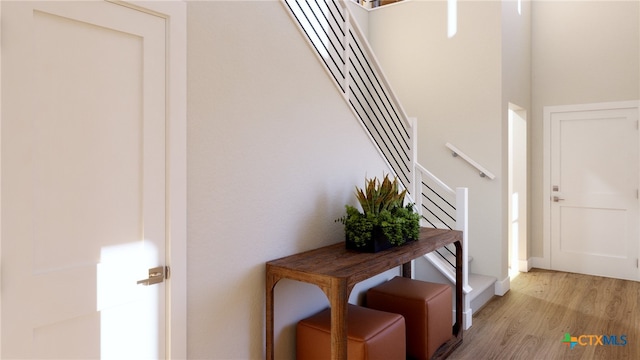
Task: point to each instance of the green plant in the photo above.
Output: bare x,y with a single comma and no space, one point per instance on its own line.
382,206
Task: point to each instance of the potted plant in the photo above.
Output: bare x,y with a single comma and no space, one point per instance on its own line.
384,221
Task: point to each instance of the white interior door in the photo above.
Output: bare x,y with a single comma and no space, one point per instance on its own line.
594,195
83,180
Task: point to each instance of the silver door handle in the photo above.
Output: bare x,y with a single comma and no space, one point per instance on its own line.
556,199
156,276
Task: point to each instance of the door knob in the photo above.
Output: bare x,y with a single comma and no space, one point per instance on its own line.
556,199
156,276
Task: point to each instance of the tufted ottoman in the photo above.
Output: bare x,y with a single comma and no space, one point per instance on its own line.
426,307
371,334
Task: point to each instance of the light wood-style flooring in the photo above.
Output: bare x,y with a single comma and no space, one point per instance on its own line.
531,320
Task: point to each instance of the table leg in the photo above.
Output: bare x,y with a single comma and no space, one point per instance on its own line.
447,348
406,270
270,285
338,299
459,294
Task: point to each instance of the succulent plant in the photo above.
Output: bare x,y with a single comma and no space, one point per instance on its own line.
379,196
382,206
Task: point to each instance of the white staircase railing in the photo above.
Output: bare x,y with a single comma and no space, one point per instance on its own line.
350,61
446,209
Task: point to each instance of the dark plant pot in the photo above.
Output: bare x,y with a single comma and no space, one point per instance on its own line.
378,242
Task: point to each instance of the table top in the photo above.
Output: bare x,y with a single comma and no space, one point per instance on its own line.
335,261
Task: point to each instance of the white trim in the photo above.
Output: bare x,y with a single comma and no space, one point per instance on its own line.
1,287
175,13
501,287
545,261
524,265
538,263
467,317
631,104
462,224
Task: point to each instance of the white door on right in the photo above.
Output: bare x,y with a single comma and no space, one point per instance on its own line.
594,195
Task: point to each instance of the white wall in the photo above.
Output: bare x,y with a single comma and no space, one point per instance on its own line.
453,87
360,14
274,154
582,52
555,53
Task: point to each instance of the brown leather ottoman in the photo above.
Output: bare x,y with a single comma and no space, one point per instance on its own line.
371,334
426,307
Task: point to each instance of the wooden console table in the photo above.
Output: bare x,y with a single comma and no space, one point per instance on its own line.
337,270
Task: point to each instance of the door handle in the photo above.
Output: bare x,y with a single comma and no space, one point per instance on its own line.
156,276
556,199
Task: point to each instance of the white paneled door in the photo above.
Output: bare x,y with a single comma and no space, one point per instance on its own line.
83,180
594,192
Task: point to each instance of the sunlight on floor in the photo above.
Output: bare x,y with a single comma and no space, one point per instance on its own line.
513,273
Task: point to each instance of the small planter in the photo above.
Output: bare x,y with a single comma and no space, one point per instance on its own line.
382,204
378,242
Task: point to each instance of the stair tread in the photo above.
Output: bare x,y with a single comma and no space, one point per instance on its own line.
480,283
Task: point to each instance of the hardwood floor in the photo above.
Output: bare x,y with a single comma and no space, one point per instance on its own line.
531,320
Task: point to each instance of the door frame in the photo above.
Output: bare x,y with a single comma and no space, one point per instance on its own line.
545,261
518,179
175,13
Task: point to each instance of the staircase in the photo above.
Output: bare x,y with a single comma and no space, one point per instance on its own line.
350,62
481,286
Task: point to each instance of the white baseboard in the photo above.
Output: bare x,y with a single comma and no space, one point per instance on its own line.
467,318
540,263
501,287
524,265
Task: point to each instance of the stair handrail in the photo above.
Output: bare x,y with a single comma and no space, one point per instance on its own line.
461,215
439,259
376,63
363,44
430,175
458,153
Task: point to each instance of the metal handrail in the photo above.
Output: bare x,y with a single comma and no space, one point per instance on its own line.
458,153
